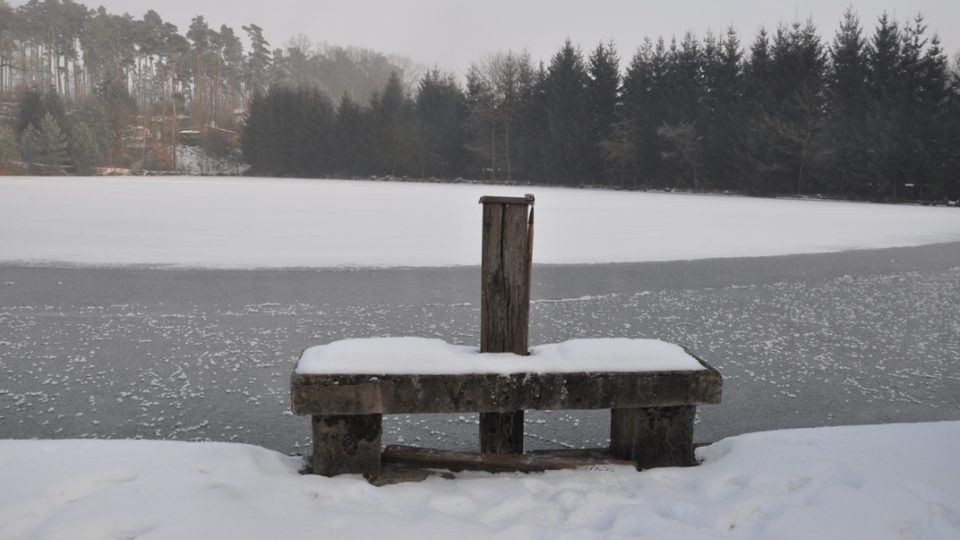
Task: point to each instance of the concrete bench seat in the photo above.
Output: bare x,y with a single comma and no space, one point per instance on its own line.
346,388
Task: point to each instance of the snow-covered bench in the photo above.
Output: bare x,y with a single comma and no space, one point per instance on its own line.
652,388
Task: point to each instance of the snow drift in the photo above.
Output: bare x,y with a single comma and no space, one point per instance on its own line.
887,481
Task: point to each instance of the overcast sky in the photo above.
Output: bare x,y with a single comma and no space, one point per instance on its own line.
451,33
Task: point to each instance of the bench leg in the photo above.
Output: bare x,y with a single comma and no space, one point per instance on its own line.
347,445
501,433
653,436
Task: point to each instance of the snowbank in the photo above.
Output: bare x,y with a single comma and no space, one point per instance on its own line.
888,481
399,355
249,223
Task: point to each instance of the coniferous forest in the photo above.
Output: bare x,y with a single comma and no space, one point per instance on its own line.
864,111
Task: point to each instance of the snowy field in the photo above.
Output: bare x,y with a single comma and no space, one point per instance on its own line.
895,481
276,223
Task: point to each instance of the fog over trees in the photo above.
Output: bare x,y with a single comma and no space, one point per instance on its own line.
872,111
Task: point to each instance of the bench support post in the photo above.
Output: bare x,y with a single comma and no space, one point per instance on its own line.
505,303
653,436
347,445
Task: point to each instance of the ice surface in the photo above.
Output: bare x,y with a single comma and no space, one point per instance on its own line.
880,482
251,223
399,355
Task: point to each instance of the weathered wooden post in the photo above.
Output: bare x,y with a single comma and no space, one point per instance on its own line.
347,444
505,303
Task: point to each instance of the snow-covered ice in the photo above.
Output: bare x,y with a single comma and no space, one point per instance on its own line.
399,355
879,482
251,223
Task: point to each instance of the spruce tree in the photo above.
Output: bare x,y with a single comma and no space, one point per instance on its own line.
936,135
34,105
441,111
85,152
45,148
396,133
923,103
353,138
884,123
532,133
567,114
8,147
637,148
603,95
724,122
623,149
847,102
680,130
795,123
950,186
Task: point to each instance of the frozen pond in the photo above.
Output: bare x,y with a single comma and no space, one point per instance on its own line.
805,340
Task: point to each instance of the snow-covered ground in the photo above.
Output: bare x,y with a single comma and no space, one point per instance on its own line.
880,482
249,222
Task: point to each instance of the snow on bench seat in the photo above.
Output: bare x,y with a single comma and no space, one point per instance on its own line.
416,375
423,356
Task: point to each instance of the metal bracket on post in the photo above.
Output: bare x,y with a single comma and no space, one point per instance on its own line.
505,269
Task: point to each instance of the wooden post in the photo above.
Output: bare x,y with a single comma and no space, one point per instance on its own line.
653,436
347,444
505,303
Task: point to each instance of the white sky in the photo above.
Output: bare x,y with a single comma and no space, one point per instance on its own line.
453,33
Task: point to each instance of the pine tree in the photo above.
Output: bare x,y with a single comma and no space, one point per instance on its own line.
647,86
623,148
45,148
567,114
289,132
847,103
884,121
795,121
8,147
258,60
33,106
926,108
532,131
680,131
603,95
950,187
396,134
724,114
119,110
686,74
85,152
482,124
441,111
354,138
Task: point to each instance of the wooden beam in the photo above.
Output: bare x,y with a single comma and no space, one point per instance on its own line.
494,392
430,458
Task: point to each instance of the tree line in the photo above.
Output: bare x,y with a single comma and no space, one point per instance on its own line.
71,56
859,116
